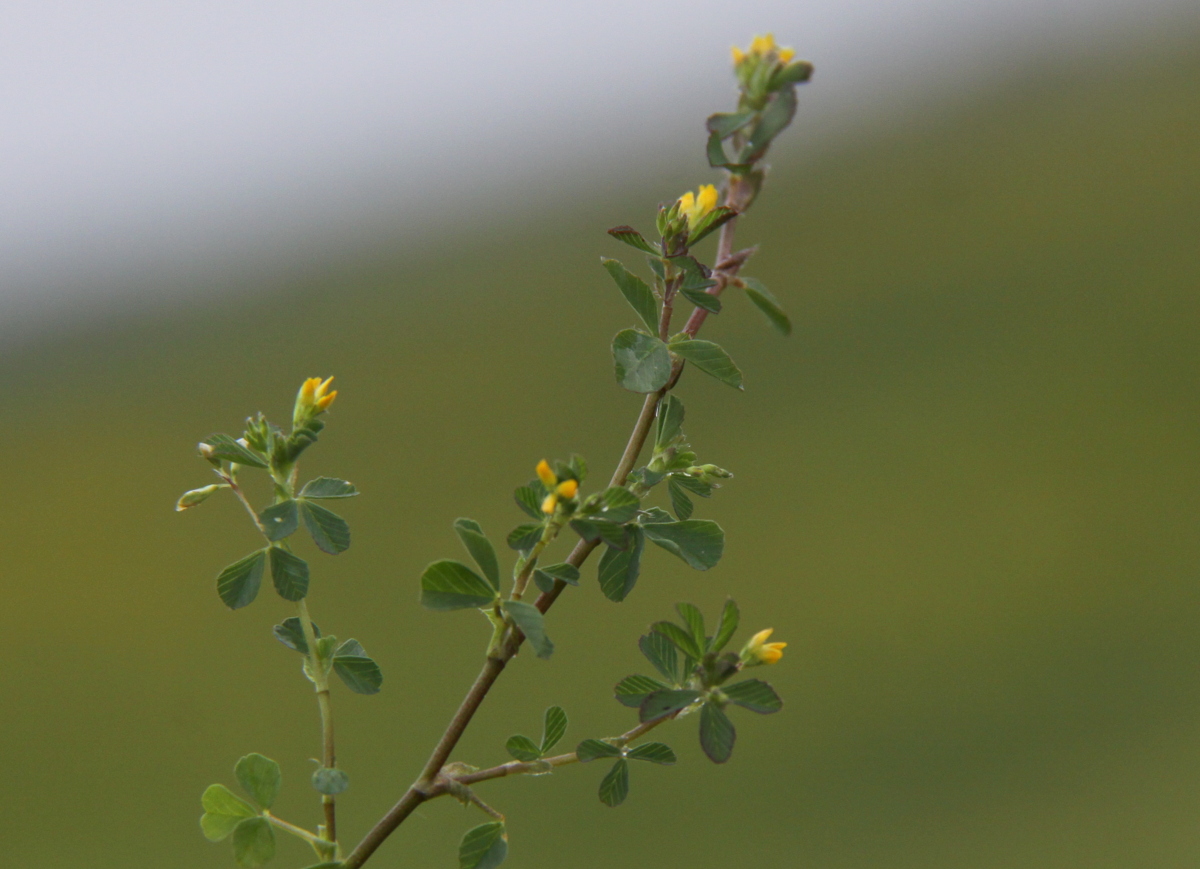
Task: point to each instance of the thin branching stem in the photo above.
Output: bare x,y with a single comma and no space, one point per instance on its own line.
517,767
426,786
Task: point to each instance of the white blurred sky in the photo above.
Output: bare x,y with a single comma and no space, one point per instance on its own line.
144,143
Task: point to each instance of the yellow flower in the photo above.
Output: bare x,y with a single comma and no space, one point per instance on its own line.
694,206
546,475
314,398
565,489
759,651
763,44
763,47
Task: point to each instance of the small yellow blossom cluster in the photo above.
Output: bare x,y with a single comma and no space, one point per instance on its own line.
314,398
696,206
762,47
759,651
565,489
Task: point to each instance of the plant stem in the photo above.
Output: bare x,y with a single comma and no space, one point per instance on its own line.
241,496
425,787
517,767
321,684
297,831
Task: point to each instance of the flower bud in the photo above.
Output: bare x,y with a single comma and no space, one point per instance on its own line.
549,480
758,651
312,400
197,496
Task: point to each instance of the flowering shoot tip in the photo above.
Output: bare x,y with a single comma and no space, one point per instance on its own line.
758,651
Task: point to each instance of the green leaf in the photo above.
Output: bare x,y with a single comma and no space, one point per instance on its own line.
578,467
662,703
794,73
545,576
330,782
683,640
253,842
755,695
225,447
768,304
694,619
484,847
655,516
291,634
669,421
701,299
699,542
481,549
655,752
527,499
523,748
715,151
661,652
289,573
329,530
639,296
553,727
771,122
619,568
614,787
725,125
693,484
279,520
730,616
357,671
711,222
451,585
710,359
680,502
633,238
601,529
590,749
223,810
642,361
525,537
632,690
325,648
260,777
716,733
238,583
619,504
328,487
529,619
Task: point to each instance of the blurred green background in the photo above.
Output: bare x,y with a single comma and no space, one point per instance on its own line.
967,496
